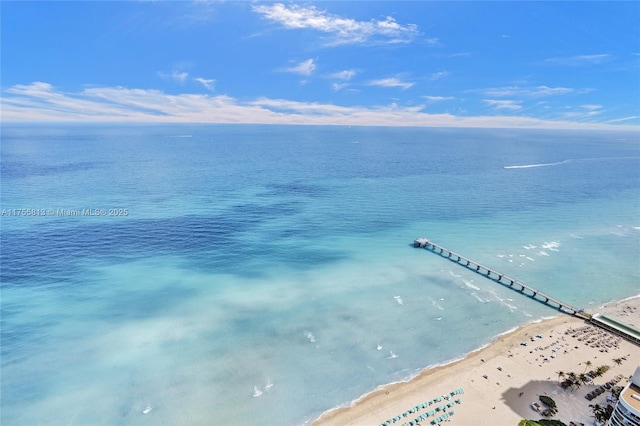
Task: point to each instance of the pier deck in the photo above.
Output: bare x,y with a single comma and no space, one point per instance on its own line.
501,278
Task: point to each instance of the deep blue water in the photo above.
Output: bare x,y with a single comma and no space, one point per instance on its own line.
251,255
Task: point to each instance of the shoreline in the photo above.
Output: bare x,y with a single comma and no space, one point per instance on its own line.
522,373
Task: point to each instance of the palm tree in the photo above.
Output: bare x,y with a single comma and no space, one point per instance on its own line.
584,379
617,361
587,365
577,383
561,375
525,422
601,370
572,379
598,412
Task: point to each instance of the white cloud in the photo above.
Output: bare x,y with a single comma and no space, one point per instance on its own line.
390,82
534,92
303,68
438,75
343,75
580,60
582,112
438,98
177,76
40,101
209,84
503,104
344,30
617,120
591,107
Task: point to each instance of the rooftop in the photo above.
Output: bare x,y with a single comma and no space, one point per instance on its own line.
631,396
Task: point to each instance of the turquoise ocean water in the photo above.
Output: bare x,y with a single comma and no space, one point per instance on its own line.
258,275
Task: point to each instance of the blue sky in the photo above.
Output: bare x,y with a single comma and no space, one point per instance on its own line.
470,64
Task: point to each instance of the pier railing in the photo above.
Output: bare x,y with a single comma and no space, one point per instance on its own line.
501,278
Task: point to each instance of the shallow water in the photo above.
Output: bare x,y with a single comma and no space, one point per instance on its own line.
252,256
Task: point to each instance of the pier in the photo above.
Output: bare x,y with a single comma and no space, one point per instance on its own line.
501,278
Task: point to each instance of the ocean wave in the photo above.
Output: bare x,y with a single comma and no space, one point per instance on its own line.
615,302
406,379
551,245
436,305
511,307
310,336
470,285
480,299
528,166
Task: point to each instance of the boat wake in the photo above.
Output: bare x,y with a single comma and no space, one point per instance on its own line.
529,166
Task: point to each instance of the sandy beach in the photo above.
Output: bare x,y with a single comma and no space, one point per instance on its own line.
502,380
